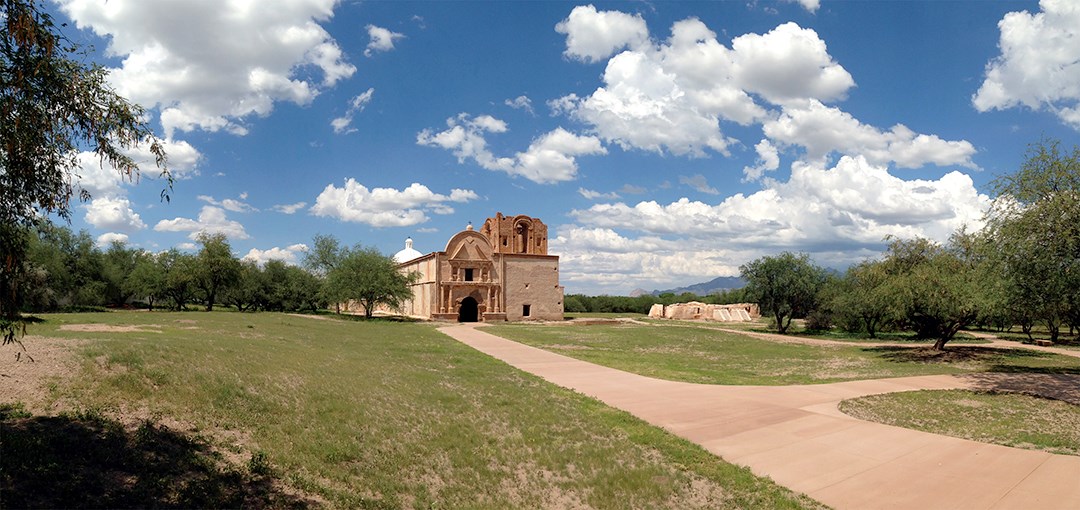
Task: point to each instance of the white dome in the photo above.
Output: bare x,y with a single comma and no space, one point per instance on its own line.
407,254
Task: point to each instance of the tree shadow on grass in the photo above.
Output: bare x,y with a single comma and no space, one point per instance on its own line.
1064,386
87,461
994,360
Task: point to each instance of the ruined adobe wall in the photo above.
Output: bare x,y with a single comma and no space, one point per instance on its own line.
738,312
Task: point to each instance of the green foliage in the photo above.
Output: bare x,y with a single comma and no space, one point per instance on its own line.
784,286
53,104
370,278
1034,239
215,266
179,271
146,281
936,289
863,300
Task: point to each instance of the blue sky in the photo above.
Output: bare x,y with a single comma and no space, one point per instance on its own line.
663,143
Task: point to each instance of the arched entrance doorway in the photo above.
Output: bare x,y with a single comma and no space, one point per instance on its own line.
469,311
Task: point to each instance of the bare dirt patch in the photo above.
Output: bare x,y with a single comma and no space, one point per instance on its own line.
108,328
27,371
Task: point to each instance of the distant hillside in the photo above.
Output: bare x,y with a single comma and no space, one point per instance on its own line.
709,287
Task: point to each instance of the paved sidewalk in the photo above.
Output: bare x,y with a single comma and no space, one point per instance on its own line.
796,436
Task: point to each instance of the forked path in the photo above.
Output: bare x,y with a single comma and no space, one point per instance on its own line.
796,436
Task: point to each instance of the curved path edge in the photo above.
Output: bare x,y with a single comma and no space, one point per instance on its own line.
797,436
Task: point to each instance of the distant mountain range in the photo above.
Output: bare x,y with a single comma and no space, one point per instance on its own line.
701,289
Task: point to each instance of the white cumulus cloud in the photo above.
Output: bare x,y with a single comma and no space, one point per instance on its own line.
549,158
229,204
290,254
113,214
386,207
106,239
673,96
593,35
209,64
824,130
211,220
839,215
853,203
382,39
1039,65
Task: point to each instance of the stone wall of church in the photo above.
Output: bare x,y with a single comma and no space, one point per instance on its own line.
532,281
425,290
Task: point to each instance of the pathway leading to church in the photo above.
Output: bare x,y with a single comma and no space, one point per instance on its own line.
796,435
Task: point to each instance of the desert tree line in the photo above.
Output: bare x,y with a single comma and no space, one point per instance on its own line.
67,271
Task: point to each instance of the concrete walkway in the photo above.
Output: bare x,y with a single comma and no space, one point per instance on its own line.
796,436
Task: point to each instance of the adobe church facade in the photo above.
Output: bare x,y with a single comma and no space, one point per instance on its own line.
501,272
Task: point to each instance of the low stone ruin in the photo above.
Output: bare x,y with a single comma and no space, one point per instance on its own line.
739,312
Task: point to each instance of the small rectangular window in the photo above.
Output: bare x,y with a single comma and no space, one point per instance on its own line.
525,310
468,275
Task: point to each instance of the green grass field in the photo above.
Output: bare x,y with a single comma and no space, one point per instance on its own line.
1008,419
347,414
703,355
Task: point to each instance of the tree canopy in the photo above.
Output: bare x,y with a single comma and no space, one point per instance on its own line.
53,105
369,278
1034,234
783,286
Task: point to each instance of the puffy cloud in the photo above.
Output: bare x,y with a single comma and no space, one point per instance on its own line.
212,220
105,180
196,61
356,105
113,214
1039,65
288,255
465,137
854,203
642,106
768,160
822,130
229,204
673,96
289,208
382,39
593,195
699,183
520,103
592,36
810,5
788,62
600,260
385,207
106,239
549,158
840,215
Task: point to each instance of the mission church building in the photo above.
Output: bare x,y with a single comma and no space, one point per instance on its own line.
500,273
